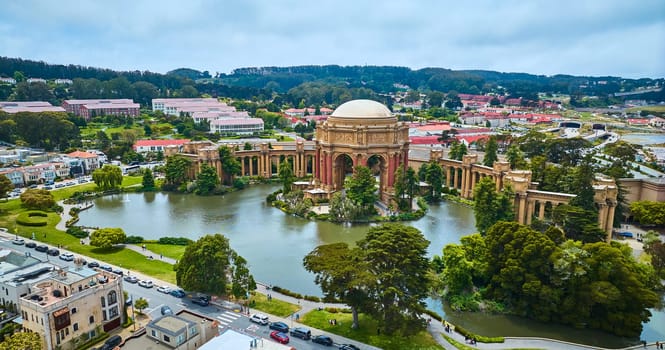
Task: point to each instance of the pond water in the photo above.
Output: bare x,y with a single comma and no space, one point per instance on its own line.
644,139
274,244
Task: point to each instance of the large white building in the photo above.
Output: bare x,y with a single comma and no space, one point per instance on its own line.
189,106
242,126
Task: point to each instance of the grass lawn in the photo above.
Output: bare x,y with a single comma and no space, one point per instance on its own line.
656,109
367,332
171,251
119,256
275,307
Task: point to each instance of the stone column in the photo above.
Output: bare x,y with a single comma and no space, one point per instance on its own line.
317,164
455,180
521,211
530,209
541,210
242,165
251,166
602,215
610,221
331,180
448,179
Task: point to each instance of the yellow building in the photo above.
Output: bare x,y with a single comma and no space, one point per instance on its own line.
73,305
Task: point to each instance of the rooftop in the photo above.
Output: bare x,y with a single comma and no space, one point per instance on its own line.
171,324
11,261
362,109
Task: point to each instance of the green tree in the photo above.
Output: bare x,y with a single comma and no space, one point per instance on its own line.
343,209
207,180
458,270
107,237
566,152
5,186
361,187
22,341
341,273
242,282
286,175
230,165
490,206
490,152
175,171
578,223
140,304
622,150
648,212
515,157
148,181
532,143
446,136
457,150
434,177
206,265
37,199
247,146
582,185
108,177
396,259
406,185
435,98
144,92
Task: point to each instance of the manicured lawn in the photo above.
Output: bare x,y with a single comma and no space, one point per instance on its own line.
171,251
274,306
367,331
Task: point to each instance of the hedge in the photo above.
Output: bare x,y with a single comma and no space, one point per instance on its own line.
479,338
32,218
134,239
434,315
77,232
175,241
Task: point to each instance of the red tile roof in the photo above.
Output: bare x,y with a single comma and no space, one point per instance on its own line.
81,154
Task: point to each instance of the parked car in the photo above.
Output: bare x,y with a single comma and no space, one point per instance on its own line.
348,347
166,310
178,293
131,279
145,283
93,264
67,256
53,252
322,339
280,337
164,289
106,268
200,301
41,248
48,187
279,326
301,332
31,244
118,272
102,279
111,342
260,319
18,241
129,301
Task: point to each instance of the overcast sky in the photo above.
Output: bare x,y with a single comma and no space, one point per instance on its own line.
581,37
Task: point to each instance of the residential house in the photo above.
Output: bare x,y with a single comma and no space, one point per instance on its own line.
88,162
144,146
73,305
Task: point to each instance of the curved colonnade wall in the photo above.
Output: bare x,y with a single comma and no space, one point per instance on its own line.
264,161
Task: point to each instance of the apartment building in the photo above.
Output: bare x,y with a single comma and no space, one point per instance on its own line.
91,108
242,126
71,306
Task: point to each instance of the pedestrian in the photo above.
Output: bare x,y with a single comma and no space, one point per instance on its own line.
160,256
657,345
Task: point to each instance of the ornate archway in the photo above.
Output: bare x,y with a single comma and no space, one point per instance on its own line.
358,130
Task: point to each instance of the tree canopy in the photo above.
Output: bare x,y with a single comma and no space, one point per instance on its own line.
648,212
22,341
207,180
5,185
107,237
175,171
361,187
108,177
230,165
386,276
35,198
207,265
491,207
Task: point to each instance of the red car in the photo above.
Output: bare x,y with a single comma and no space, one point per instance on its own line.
280,337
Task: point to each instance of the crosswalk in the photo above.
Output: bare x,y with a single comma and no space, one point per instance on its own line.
227,318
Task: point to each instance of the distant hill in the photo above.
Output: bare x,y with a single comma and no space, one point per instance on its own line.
357,80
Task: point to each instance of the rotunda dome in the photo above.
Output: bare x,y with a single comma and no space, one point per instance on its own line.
362,109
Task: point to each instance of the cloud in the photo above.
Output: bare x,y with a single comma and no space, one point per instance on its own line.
583,37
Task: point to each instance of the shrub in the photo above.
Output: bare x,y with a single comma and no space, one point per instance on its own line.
134,239
479,338
32,218
77,232
175,241
287,292
312,298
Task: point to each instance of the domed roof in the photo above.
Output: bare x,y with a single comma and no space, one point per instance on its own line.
362,109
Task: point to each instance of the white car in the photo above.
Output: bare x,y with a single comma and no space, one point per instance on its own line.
259,318
145,284
67,256
18,241
164,289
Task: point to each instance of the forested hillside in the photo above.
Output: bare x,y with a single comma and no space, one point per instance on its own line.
317,85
